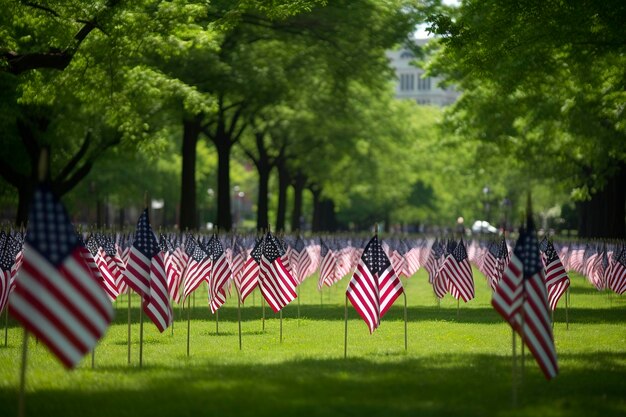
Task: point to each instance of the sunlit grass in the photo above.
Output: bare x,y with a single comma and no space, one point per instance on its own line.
458,362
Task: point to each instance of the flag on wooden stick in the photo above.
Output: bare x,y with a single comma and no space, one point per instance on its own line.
56,297
374,285
521,299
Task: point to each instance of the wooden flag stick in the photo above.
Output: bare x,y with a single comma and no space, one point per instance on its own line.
263,317
406,337
6,326
298,296
567,309
253,298
322,297
281,325
22,393
188,322
173,316
239,316
93,358
345,337
128,295
458,308
217,322
140,336
513,369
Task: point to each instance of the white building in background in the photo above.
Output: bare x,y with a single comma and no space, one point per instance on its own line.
412,84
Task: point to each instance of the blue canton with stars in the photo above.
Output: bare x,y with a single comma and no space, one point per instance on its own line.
257,250
374,257
6,256
272,248
50,231
92,245
550,252
145,241
459,252
216,250
529,250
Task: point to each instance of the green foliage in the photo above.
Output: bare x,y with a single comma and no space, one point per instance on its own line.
542,83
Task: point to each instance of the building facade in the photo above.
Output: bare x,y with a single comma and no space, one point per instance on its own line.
413,84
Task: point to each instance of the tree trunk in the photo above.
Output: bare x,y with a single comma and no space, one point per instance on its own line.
224,216
262,202
316,225
296,214
25,194
604,216
191,132
327,221
283,183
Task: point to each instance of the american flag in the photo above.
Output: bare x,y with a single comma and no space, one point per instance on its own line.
173,267
109,278
328,266
56,297
457,270
557,280
114,263
198,267
16,245
238,260
251,269
220,273
521,299
433,262
145,274
374,286
300,260
87,249
6,262
275,282
616,279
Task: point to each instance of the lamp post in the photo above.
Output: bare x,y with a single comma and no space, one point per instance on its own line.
506,205
210,193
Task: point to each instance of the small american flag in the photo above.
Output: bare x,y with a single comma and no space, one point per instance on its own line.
276,283
374,286
56,297
521,299
557,280
220,273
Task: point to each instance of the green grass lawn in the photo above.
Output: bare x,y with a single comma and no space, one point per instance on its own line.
458,362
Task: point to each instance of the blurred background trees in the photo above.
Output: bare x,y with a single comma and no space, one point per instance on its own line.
249,114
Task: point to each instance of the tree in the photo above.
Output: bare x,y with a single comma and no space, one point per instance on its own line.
542,82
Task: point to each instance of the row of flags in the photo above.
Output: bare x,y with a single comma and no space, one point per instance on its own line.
67,280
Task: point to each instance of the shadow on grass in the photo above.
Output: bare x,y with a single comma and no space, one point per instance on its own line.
437,385
481,315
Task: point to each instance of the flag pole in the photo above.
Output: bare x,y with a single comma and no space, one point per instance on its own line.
140,336
298,296
188,322
22,393
128,295
173,315
239,316
217,322
93,358
567,299
406,338
281,325
6,326
345,338
263,317
513,368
